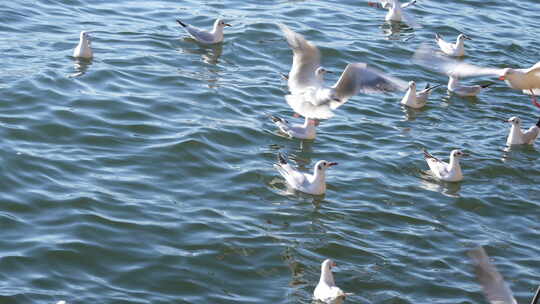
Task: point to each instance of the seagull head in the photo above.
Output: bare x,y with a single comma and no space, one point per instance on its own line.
412,85
463,37
505,73
85,36
514,120
322,165
320,72
328,265
458,154
220,23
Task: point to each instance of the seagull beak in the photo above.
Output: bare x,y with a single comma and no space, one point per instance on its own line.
334,264
226,24
506,121
502,77
465,154
329,72
468,38
332,164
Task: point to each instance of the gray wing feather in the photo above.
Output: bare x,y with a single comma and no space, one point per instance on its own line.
427,58
531,135
306,59
495,289
357,77
199,34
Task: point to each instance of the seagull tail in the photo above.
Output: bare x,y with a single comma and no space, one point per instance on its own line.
486,85
433,87
437,37
285,76
181,23
282,160
538,123
427,155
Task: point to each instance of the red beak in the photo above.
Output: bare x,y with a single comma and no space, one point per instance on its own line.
332,164
502,78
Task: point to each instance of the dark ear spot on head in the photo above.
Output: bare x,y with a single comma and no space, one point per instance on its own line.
319,166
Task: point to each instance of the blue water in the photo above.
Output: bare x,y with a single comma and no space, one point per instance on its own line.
145,175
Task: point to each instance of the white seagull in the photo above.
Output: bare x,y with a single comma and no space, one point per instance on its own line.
202,36
395,10
327,291
310,97
455,87
444,171
308,130
453,49
526,80
417,100
520,137
83,49
308,183
495,288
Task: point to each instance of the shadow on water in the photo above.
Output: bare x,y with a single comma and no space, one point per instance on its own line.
509,152
209,53
393,30
81,65
428,182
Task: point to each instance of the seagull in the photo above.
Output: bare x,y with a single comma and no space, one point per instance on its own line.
461,90
444,171
310,97
452,49
526,80
308,183
202,36
417,100
518,137
327,291
395,10
305,131
83,49
495,289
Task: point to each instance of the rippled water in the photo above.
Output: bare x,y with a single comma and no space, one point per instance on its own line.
145,175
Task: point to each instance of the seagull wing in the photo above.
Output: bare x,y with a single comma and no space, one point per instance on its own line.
306,59
291,175
495,289
407,4
357,77
200,34
437,166
531,135
427,58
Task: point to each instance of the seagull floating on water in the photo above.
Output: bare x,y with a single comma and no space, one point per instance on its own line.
395,10
455,87
206,37
518,136
453,49
414,99
444,171
308,183
527,80
308,130
327,291
495,289
84,49
310,97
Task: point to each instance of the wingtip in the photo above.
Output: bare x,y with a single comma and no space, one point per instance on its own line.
181,23
282,160
536,296
275,118
538,123
486,85
437,36
426,154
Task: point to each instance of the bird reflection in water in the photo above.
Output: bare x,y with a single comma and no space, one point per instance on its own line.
81,65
